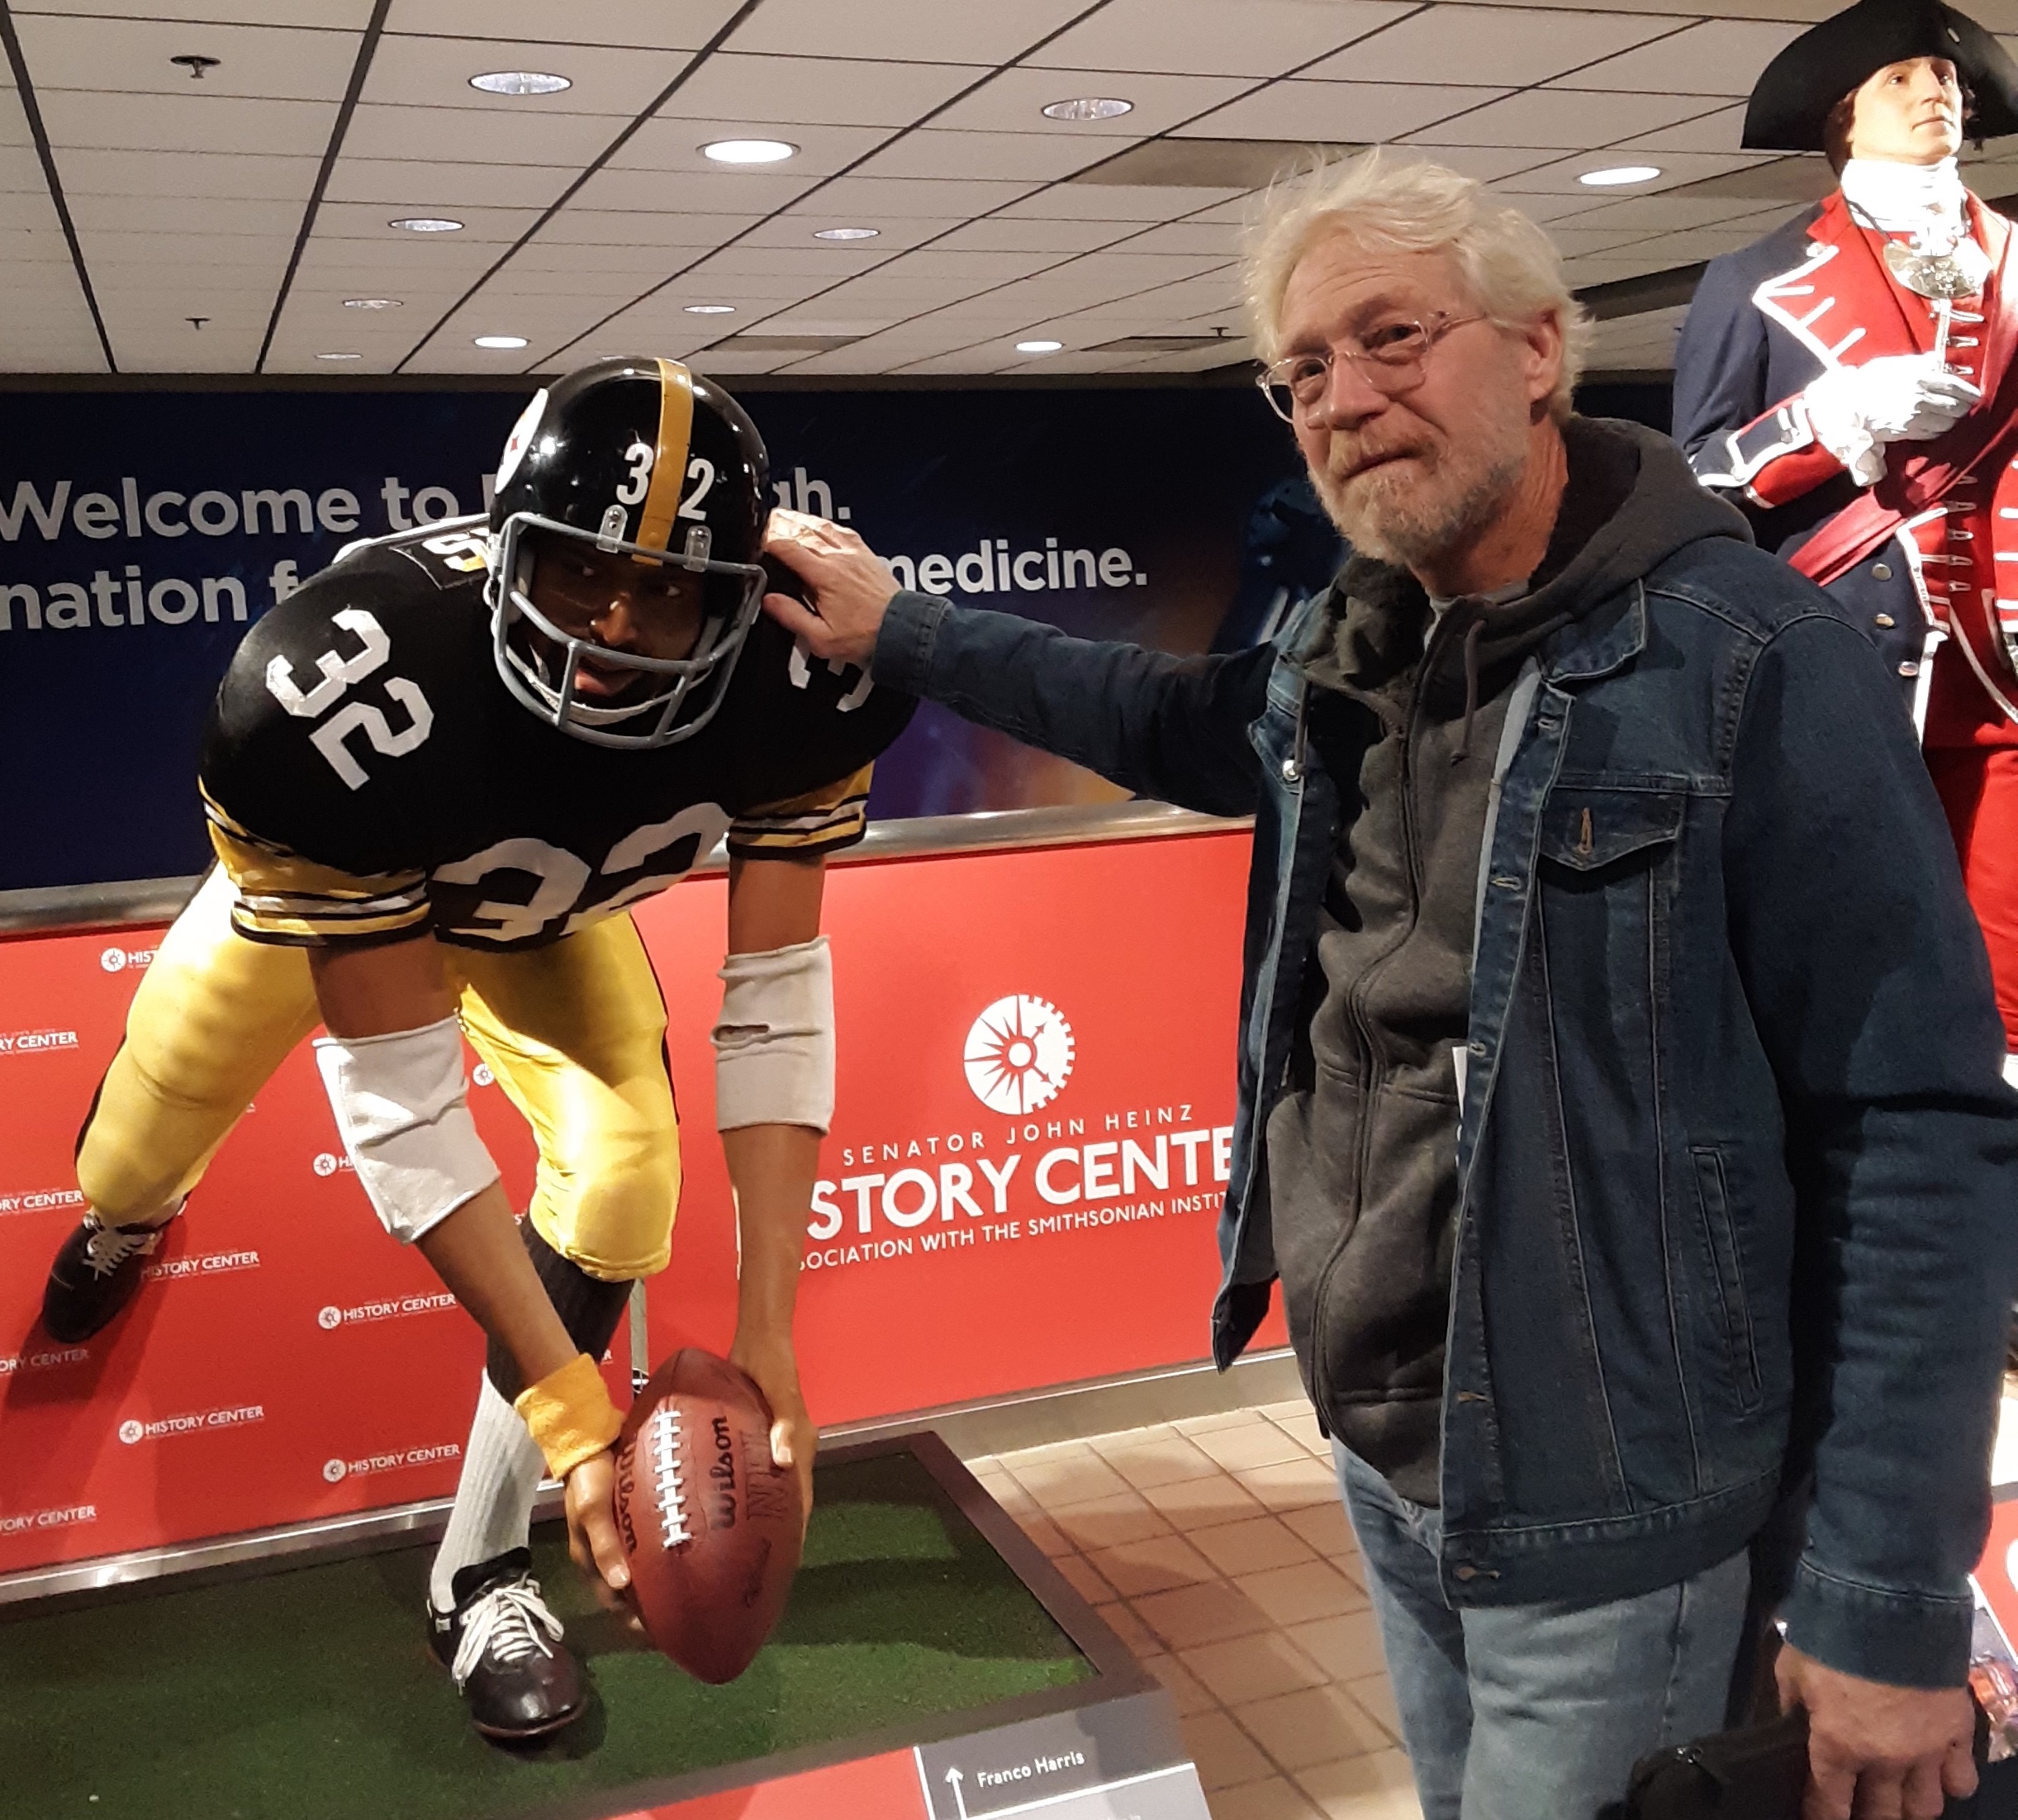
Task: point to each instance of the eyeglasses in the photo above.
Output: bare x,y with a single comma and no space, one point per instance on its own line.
1389,356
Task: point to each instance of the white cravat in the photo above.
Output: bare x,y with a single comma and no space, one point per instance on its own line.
1900,198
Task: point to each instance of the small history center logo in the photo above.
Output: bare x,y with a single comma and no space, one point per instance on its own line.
1018,1054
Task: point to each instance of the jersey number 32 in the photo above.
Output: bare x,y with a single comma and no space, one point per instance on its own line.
338,673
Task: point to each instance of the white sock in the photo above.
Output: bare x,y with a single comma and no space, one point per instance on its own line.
493,1513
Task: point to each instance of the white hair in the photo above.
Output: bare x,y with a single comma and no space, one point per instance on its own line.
1382,205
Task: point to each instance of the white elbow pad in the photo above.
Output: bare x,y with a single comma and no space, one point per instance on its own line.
774,1046
400,1103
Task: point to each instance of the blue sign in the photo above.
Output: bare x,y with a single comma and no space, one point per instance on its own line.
140,533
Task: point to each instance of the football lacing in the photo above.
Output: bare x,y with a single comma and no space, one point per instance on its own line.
666,1465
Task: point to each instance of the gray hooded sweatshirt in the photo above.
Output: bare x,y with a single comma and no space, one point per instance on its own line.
1362,1150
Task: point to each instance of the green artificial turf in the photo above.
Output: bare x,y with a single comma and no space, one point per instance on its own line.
310,1693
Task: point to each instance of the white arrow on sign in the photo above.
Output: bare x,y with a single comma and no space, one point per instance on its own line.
959,1800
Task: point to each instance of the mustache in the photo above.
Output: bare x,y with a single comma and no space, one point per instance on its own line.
1344,460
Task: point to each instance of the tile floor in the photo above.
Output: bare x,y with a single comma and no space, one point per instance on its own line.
1218,1548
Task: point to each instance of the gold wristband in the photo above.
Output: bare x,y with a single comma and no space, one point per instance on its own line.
570,1414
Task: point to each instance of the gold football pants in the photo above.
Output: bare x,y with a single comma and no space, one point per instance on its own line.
574,1032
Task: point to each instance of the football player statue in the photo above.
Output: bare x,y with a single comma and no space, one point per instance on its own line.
434,777
1849,382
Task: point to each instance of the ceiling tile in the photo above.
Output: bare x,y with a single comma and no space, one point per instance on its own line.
811,264
410,186
20,169
1560,176
1504,47
1717,57
1005,234
1565,117
659,25
369,221
1487,164
1115,202
130,56
1034,157
1717,131
474,135
435,72
926,31
649,234
668,145
838,90
1340,112
1661,214
1220,240
192,123
1014,101
340,14
798,225
246,174
740,193
871,198
193,216
1211,37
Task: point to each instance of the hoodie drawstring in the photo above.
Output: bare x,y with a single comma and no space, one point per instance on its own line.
1471,686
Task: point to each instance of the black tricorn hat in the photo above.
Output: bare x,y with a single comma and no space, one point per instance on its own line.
1790,101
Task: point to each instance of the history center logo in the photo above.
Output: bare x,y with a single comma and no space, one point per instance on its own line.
1018,1054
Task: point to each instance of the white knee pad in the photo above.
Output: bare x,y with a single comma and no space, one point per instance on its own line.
774,1046
399,1102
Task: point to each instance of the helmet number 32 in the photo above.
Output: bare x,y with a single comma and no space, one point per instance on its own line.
638,483
338,672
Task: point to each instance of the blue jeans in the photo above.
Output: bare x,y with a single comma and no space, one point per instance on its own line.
1536,1712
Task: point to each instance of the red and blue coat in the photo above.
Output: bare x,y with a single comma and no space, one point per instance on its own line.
1926,561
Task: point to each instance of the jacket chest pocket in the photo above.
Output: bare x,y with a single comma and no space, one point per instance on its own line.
1606,875
1588,832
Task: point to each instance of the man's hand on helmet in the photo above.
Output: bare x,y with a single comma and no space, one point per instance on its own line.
850,585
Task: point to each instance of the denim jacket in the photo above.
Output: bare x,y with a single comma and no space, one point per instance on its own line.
1737,1155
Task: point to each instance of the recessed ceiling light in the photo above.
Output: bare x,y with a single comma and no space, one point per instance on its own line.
519,82
846,233
339,357
1621,173
426,224
500,340
371,303
1089,107
1038,347
748,151
710,309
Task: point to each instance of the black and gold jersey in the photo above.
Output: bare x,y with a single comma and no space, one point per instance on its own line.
366,775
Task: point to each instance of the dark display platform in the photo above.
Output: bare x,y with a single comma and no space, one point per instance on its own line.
926,1642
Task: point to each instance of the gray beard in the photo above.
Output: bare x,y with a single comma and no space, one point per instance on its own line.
1406,533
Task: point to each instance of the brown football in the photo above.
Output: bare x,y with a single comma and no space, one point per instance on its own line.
711,1528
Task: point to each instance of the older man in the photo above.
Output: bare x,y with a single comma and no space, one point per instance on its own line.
1620,1096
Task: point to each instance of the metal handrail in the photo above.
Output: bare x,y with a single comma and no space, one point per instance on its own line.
125,902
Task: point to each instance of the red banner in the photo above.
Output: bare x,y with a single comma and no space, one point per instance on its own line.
1036,1096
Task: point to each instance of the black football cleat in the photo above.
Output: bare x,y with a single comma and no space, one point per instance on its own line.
94,1276
504,1648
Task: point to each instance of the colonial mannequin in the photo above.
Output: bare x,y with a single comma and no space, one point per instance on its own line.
1848,381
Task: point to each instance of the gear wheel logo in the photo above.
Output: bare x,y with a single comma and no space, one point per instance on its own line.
1018,1054
324,1164
130,1430
113,960
329,1318
333,1471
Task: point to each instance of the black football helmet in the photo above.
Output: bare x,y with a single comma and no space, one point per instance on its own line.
641,456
